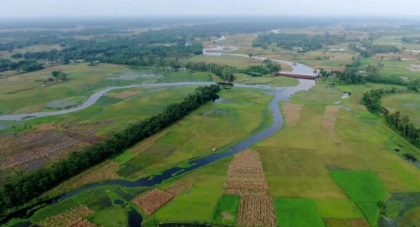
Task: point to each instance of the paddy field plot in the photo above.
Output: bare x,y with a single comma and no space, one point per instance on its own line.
407,104
305,161
296,212
198,203
227,209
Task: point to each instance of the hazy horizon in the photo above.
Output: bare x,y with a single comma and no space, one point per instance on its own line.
218,8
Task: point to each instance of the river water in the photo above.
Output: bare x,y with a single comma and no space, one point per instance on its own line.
280,94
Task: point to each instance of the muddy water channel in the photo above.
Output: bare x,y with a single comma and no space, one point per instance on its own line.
280,94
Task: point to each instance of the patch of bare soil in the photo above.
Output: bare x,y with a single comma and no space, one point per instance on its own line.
124,94
67,218
153,200
330,117
414,68
292,113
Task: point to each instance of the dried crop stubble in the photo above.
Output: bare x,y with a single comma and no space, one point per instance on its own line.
102,172
246,162
67,218
330,117
246,187
256,210
82,223
292,113
246,178
153,200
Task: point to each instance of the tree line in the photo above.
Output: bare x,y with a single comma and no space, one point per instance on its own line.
415,40
37,182
260,70
302,42
20,66
354,73
225,72
398,122
369,49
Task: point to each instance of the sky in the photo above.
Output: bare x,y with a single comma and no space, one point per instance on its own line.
118,8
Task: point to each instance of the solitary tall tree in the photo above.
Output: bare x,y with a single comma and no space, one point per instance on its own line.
228,74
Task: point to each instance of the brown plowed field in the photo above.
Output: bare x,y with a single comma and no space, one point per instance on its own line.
40,146
246,187
67,218
152,201
103,172
256,210
246,162
246,178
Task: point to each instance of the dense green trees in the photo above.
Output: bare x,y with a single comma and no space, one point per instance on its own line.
301,42
400,123
370,49
372,100
354,73
22,65
59,75
34,184
223,71
415,40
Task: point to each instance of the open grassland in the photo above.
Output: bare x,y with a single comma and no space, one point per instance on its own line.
215,125
396,40
238,62
404,69
83,81
275,81
328,60
407,104
46,139
353,102
113,216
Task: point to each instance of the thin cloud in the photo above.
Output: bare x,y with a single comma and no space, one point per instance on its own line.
83,8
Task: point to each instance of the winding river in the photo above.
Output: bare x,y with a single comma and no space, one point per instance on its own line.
280,94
